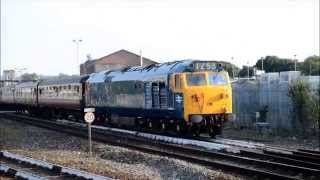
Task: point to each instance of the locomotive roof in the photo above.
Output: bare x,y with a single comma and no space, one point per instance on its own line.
148,73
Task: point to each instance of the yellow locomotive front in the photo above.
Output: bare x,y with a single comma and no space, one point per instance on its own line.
207,100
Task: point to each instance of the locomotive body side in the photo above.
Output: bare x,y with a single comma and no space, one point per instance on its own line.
128,94
149,96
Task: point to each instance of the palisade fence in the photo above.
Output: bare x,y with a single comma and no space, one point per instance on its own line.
268,91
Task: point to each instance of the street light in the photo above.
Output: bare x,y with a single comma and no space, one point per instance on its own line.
262,63
295,62
232,67
77,42
141,58
248,70
0,71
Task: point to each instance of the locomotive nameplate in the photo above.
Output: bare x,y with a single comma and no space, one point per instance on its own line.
89,117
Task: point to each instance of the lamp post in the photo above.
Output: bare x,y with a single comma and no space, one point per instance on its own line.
232,67
248,70
141,59
0,70
262,63
295,62
77,42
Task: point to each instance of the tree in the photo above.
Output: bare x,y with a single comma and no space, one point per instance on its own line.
301,97
29,77
244,71
276,64
315,110
62,75
228,68
311,66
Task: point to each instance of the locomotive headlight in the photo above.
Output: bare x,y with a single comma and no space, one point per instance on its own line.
196,118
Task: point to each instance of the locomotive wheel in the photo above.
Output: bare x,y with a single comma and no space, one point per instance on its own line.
196,130
178,128
181,128
212,134
107,119
163,126
139,123
214,131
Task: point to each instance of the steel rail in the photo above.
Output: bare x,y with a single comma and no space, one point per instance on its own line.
309,151
19,167
280,159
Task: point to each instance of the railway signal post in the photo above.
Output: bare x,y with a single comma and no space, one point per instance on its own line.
89,118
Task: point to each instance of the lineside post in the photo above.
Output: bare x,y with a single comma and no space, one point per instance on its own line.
89,118
90,142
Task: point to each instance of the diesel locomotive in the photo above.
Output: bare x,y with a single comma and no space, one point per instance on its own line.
184,96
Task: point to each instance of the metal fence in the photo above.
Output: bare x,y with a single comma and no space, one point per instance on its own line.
270,92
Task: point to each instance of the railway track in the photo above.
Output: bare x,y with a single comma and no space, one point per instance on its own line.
19,167
241,160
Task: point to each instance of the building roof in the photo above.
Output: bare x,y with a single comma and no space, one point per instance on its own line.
120,51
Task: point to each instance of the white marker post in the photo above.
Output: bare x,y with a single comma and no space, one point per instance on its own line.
89,118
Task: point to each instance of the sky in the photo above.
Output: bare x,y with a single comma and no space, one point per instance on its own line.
36,35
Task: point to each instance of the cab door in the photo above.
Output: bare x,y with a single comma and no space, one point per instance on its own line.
176,89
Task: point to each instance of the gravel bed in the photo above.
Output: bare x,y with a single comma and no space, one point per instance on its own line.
5,178
112,161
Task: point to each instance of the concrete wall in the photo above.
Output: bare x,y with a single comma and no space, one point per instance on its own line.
270,89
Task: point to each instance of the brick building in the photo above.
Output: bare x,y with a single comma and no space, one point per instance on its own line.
116,60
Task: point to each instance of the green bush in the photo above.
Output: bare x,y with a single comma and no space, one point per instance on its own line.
305,106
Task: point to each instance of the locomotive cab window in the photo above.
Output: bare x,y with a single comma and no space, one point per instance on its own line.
177,81
196,79
217,79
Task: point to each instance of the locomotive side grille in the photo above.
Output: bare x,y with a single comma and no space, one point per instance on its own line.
155,96
163,97
148,95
